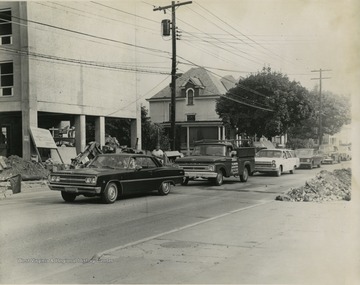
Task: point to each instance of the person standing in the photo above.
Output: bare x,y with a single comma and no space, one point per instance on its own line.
158,153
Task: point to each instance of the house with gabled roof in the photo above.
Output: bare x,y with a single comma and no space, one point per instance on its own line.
196,118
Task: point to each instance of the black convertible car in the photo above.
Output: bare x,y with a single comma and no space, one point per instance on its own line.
111,175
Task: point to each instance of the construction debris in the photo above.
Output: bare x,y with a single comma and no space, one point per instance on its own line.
29,170
326,186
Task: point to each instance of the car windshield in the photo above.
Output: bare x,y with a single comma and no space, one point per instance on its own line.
304,152
269,153
112,162
212,150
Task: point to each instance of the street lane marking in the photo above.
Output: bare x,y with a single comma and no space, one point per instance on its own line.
98,255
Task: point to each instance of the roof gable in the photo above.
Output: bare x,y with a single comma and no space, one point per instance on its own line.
210,84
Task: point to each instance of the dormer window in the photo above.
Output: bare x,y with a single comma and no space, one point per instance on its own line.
190,96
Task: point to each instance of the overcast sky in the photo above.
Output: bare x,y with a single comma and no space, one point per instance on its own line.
236,37
240,37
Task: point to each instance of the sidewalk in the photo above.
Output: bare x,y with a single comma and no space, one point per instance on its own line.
26,187
276,242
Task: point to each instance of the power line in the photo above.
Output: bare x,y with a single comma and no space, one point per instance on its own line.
87,34
82,62
239,31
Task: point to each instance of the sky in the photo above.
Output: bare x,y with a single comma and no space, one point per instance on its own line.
232,37
237,37
240,37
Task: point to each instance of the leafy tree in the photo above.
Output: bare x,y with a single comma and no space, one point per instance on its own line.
335,112
269,105
152,134
115,127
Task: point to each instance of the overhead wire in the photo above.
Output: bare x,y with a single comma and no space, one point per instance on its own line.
82,62
231,26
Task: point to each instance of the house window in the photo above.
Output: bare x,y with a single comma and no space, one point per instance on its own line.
190,118
5,27
6,79
190,96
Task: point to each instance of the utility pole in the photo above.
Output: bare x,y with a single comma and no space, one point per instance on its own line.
320,134
173,68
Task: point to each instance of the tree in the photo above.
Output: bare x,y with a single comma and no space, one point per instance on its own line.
152,134
264,104
335,113
115,127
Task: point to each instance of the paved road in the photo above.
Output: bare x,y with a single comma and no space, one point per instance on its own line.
40,228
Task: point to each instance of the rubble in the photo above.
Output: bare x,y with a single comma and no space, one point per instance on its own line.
29,170
326,186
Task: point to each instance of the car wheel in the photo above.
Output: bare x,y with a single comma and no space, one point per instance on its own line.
278,172
164,188
68,197
110,193
219,178
185,181
292,170
245,175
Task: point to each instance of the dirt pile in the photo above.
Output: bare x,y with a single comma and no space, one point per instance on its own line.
28,169
326,186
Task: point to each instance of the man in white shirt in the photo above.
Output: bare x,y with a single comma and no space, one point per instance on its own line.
158,153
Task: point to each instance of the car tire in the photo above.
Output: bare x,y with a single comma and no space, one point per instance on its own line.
110,193
279,171
292,171
68,197
219,178
185,181
165,188
245,175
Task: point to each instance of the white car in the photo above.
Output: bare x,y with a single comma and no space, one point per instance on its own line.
276,161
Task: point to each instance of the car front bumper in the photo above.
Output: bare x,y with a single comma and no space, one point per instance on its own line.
265,169
200,174
78,189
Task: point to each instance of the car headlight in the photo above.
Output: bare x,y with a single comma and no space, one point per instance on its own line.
90,180
54,178
273,163
308,160
211,167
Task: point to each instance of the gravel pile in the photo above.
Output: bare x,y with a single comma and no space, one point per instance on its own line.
28,169
326,186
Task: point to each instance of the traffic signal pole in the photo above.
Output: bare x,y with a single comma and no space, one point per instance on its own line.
173,69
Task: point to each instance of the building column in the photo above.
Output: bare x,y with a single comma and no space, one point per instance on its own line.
100,130
80,133
135,130
219,132
188,140
28,98
223,132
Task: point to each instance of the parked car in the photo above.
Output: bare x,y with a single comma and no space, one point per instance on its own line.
345,152
110,175
330,154
309,157
276,161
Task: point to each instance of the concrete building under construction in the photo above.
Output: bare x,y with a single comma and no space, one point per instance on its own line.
53,68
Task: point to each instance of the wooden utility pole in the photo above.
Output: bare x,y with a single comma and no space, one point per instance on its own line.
320,134
173,68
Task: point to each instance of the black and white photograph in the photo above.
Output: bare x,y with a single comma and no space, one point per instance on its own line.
180,142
